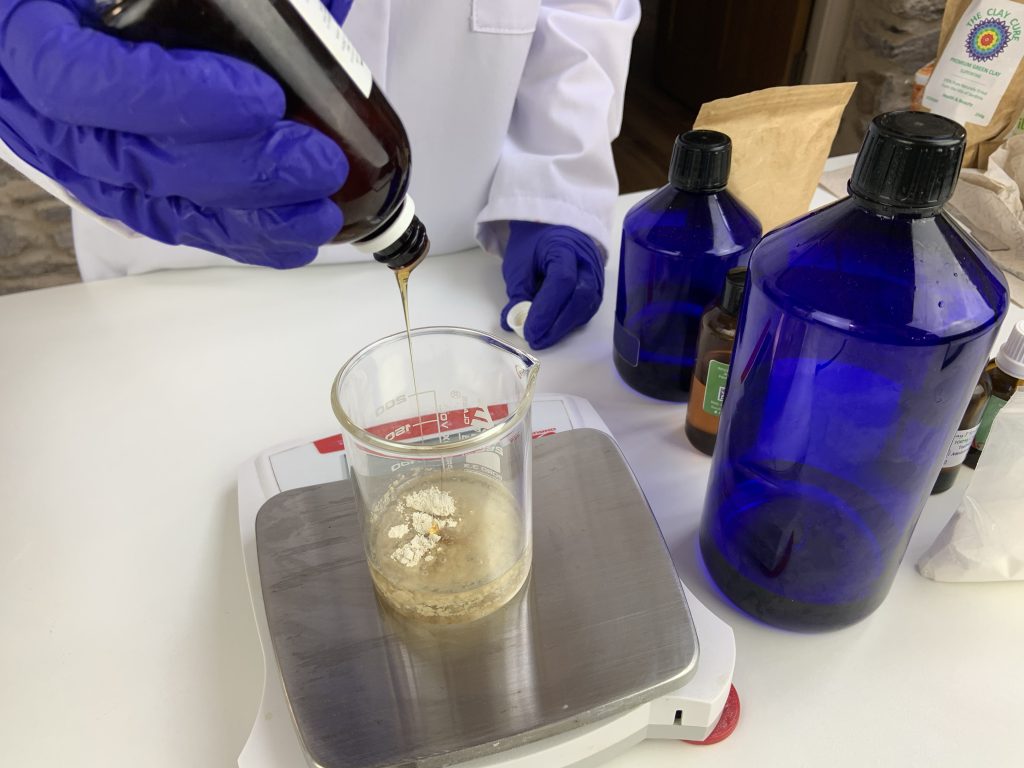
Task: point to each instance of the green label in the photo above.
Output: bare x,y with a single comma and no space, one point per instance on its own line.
995,405
714,392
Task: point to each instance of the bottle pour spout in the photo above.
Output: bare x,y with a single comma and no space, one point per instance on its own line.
400,243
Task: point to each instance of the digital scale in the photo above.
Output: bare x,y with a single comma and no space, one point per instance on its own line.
602,648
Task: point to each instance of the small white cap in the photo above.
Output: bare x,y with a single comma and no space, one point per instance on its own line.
1011,354
395,230
516,317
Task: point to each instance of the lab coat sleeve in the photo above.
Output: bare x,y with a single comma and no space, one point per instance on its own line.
556,164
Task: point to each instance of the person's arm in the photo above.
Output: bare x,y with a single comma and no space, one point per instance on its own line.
185,147
556,166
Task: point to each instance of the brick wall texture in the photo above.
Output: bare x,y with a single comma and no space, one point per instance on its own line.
888,41
35,236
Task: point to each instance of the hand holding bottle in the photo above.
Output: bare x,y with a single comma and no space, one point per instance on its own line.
185,147
560,270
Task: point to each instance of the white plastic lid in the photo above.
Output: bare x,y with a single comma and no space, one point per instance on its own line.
516,317
392,232
1011,354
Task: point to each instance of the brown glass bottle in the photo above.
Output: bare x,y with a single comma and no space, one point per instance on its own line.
342,102
1007,374
964,435
714,353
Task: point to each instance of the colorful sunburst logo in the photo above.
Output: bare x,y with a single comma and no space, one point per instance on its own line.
987,39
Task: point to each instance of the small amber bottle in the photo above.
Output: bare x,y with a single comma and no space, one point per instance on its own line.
714,352
1007,373
964,435
327,86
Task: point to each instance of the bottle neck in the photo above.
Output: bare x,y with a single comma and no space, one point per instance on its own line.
408,250
732,294
401,241
696,192
892,212
1000,372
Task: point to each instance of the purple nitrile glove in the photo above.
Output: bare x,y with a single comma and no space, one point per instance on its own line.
339,9
560,270
186,147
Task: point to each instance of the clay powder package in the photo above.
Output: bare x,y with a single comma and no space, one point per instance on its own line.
978,79
781,138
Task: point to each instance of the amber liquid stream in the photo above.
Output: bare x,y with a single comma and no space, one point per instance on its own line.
402,276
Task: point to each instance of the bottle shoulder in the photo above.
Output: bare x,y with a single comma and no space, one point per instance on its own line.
678,223
900,280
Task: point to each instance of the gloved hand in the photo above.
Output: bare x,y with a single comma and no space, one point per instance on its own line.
186,147
339,9
560,270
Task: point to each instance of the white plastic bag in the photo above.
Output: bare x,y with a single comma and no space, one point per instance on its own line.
984,540
989,204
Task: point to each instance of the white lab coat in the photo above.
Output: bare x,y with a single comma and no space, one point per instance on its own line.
510,107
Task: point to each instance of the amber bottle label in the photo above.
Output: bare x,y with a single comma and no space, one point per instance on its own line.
323,25
958,448
714,392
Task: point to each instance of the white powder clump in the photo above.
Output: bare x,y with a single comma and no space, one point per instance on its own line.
398,531
432,500
426,513
422,522
410,553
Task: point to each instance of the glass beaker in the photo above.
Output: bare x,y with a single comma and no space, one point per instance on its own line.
440,457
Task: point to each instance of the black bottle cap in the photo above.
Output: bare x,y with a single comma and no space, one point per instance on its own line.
732,293
411,246
909,161
700,161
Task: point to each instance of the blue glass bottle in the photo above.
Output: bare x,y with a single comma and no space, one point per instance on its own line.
677,246
865,328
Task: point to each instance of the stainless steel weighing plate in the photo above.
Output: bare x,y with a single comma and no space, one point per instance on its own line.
601,627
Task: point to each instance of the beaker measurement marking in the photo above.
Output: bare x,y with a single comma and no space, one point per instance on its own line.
457,397
473,415
405,429
446,426
391,404
402,399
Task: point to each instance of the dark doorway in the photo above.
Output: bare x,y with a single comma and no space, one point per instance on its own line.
687,52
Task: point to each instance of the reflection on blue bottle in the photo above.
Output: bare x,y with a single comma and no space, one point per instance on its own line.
677,246
862,337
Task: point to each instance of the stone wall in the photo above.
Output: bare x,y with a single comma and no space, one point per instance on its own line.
35,236
888,41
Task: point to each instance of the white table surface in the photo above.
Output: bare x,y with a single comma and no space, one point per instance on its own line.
127,637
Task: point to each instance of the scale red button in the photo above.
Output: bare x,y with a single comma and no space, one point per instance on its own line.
726,723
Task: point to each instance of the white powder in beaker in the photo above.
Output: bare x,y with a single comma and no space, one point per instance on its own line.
424,513
448,545
432,501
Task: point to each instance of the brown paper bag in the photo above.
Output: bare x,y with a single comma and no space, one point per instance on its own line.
978,78
780,141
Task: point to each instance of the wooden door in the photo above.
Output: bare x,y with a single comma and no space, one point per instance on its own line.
710,49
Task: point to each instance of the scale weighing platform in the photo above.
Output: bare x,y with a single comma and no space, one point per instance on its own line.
602,648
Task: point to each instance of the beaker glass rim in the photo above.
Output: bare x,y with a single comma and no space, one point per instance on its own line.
435,450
